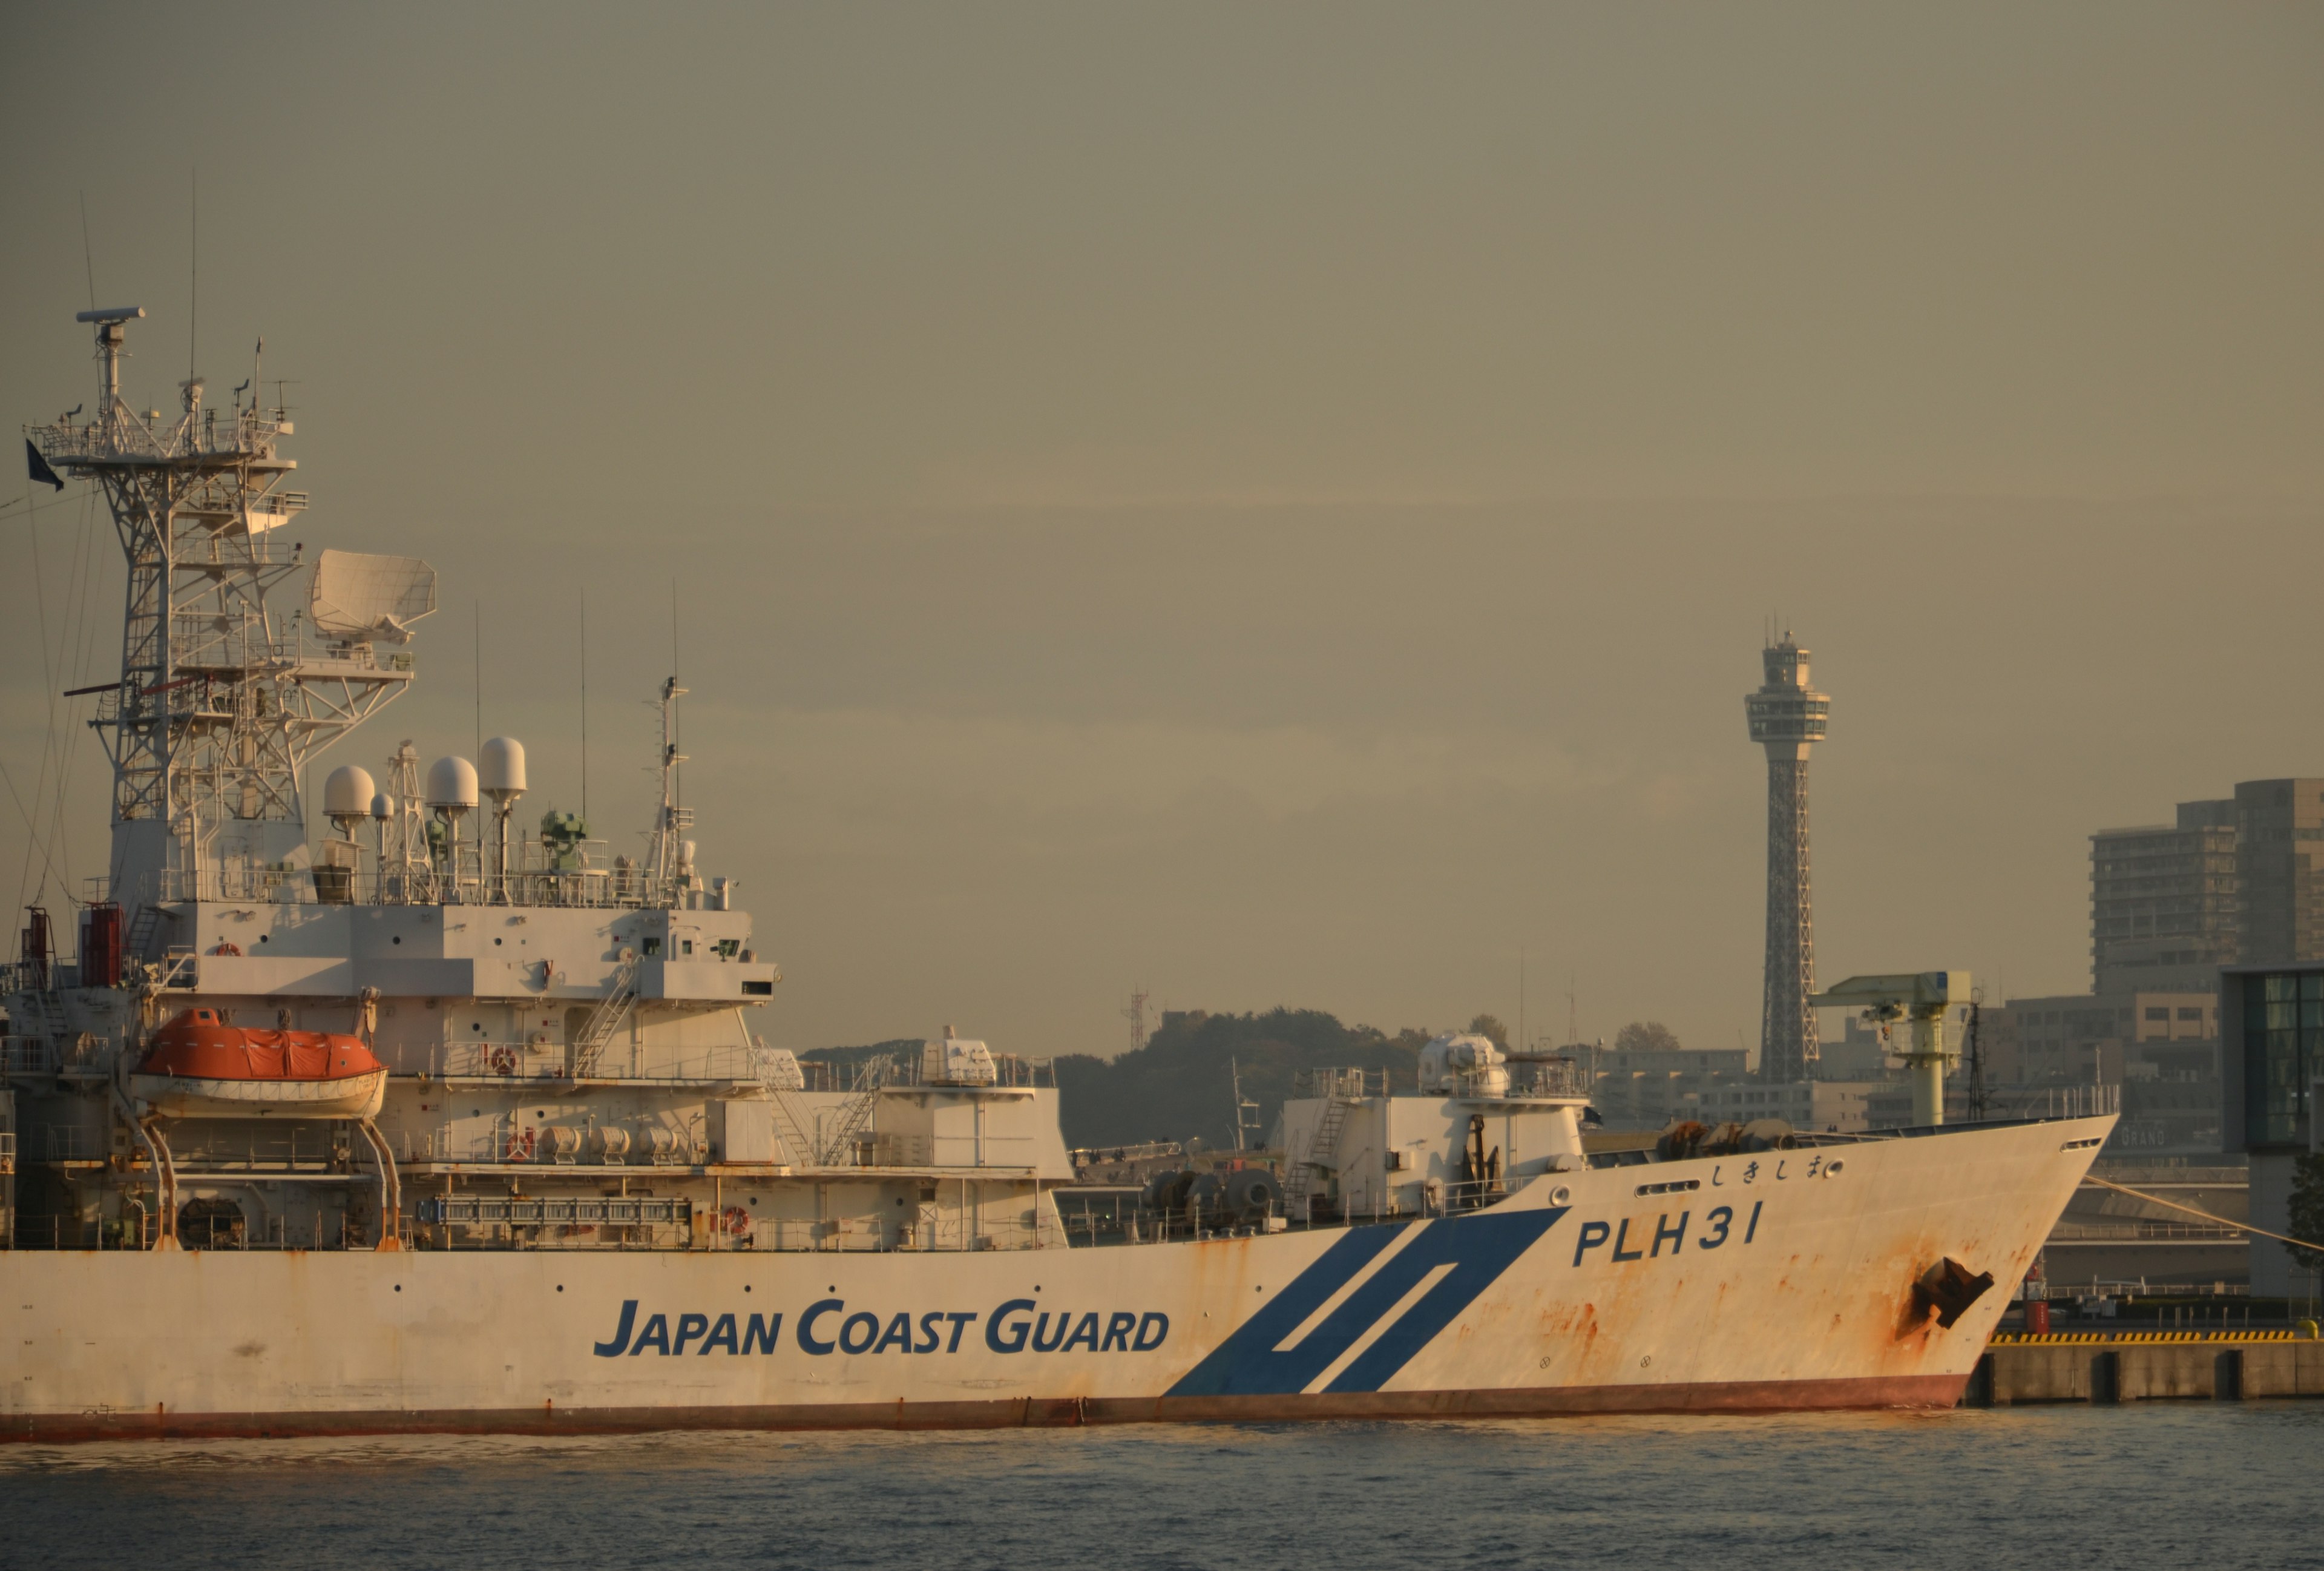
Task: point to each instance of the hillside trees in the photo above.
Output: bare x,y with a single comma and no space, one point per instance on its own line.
1646,1035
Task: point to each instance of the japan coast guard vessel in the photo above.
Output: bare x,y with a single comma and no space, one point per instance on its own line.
437,1123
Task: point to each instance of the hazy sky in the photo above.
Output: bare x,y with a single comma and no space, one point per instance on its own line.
1276,505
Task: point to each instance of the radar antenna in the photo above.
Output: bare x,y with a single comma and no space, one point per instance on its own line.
223,695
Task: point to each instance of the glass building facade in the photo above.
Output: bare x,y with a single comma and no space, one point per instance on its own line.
2272,1021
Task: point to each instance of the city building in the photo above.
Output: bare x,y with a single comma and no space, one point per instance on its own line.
2279,871
2163,903
2274,1019
2160,1049
1787,716
2233,880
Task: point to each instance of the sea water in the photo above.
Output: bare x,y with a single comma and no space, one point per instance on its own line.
2195,1484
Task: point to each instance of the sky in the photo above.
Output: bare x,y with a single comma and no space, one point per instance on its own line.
1266,506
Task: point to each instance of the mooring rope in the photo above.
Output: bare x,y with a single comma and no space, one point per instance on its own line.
2206,1216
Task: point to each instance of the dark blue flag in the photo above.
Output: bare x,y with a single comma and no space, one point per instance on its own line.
38,467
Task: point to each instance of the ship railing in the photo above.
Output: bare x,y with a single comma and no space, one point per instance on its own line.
501,1060
340,878
1120,1155
553,1211
2132,1230
242,433
507,1140
140,1231
1009,1070
69,1142
1551,1078
2147,1175
1349,1083
548,1060
1121,1218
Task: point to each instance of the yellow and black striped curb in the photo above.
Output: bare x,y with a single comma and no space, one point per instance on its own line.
2068,1338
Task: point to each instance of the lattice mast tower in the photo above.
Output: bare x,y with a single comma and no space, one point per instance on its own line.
1787,716
221,699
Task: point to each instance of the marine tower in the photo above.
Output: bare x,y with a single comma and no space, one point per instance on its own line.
1788,716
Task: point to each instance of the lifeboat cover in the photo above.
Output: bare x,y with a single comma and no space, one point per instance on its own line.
196,1047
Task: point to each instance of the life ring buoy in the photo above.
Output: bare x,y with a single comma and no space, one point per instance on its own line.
735,1222
520,1146
503,1061
226,946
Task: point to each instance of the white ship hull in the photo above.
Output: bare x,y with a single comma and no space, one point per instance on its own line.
1775,1282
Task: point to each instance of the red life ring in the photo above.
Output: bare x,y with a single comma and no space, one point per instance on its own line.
503,1061
735,1221
520,1145
226,946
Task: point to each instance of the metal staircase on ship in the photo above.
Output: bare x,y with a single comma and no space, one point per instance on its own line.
1323,1151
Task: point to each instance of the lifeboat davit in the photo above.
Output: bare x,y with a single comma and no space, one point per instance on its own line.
199,1067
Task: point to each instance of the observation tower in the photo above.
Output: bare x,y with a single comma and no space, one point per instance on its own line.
1788,716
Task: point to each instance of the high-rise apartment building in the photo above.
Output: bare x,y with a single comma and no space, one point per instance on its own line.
2238,880
2279,871
2164,912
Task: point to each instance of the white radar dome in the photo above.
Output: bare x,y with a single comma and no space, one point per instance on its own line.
501,768
452,784
1463,1061
382,808
347,793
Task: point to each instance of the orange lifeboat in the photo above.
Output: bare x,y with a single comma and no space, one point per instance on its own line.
199,1067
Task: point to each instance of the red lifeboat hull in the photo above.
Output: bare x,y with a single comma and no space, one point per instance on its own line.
199,1068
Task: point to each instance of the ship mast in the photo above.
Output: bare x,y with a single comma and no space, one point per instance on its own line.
670,864
221,698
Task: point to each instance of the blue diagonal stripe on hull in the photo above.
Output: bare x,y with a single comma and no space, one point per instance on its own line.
1243,1357
1478,1248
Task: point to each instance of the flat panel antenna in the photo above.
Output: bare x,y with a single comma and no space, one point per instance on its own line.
366,598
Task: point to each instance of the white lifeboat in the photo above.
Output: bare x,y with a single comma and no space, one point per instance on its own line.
199,1068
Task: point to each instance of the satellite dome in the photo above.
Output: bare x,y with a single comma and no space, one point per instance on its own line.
501,766
452,784
382,808
347,793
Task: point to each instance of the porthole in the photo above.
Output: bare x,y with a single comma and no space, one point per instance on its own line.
1561,1196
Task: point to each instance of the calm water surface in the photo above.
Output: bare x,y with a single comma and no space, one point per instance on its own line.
2211,1485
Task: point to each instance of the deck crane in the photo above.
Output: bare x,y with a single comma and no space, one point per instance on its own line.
1920,997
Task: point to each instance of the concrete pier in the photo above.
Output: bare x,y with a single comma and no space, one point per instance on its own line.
2147,1366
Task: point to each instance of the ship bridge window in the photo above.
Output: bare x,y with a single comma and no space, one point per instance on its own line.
653,946
729,947
686,946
